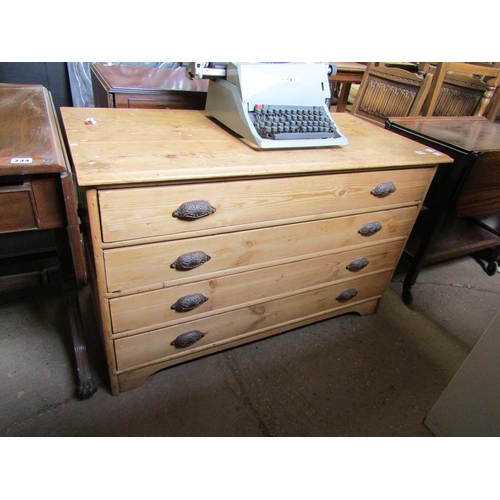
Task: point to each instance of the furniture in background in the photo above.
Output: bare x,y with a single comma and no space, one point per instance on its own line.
461,89
37,193
461,213
493,112
347,74
51,75
386,91
122,86
198,252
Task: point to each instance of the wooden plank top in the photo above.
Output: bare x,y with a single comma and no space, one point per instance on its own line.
30,141
141,145
469,133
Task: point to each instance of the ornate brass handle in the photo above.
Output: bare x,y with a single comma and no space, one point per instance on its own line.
383,189
187,339
189,302
190,260
370,228
358,264
347,295
195,209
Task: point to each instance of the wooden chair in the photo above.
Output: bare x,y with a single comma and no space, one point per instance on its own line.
462,89
494,112
386,91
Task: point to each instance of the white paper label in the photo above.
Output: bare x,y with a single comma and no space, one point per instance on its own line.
21,160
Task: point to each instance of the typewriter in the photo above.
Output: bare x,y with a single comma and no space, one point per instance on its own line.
272,105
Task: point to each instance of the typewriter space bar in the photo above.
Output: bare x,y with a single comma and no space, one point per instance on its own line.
304,135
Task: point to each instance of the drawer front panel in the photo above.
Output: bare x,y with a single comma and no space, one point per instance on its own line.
150,265
153,309
154,346
174,99
16,211
143,212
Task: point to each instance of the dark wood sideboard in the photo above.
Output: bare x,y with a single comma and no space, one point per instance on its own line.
123,86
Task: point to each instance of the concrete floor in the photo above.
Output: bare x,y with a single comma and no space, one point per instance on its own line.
376,375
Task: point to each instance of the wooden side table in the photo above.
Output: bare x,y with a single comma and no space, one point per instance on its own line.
463,203
123,86
347,74
37,193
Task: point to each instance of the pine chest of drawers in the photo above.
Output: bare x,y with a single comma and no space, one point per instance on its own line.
199,242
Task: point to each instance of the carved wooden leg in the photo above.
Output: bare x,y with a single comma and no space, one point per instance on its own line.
86,385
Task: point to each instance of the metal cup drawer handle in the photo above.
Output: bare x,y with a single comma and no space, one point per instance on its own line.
358,264
189,302
370,228
195,209
383,189
187,339
347,295
190,260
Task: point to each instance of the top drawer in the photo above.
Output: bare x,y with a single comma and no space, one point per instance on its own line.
30,203
16,207
143,212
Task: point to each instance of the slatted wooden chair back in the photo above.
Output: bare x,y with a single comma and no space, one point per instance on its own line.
386,91
461,89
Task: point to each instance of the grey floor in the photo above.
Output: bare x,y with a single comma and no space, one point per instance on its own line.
376,375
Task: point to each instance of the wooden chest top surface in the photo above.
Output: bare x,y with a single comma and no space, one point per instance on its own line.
138,145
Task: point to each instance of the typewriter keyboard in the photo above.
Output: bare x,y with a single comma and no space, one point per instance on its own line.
297,122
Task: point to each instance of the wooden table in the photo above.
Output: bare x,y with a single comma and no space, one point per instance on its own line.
347,74
124,86
463,203
37,193
201,242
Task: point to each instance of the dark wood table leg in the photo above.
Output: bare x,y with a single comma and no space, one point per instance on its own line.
86,385
418,260
345,88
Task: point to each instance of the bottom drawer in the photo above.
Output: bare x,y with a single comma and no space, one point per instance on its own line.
218,329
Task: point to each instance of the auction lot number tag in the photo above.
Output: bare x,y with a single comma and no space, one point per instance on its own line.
21,160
